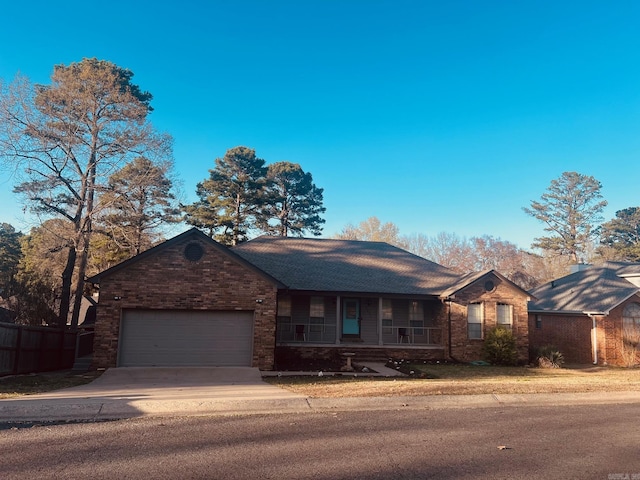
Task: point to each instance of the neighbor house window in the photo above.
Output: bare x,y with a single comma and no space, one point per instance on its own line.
504,314
631,324
631,315
538,322
474,321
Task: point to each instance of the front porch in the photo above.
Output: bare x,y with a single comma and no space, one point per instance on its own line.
359,322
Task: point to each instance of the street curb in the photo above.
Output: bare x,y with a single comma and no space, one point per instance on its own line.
89,410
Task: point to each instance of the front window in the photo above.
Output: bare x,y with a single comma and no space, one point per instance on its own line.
416,317
387,309
285,328
474,321
284,306
316,308
316,315
387,316
504,315
304,318
415,311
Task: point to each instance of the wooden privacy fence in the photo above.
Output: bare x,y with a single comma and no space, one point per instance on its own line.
26,349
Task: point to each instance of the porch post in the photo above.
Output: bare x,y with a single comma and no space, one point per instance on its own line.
379,320
338,321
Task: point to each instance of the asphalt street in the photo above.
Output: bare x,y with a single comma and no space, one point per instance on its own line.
528,442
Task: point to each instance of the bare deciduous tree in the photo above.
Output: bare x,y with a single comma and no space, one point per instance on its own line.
372,230
65,139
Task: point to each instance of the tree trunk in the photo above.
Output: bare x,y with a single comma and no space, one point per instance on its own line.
67,276
85,238
79,286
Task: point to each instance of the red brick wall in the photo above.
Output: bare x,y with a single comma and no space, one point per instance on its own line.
611,350
362,354
570,334
465,349
167,280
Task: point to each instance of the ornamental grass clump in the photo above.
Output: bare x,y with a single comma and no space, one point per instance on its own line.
549,357
500,347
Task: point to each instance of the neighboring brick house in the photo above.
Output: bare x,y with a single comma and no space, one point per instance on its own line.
192,301
591,315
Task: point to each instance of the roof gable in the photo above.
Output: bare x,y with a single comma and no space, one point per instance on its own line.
346,266
475,277
193,234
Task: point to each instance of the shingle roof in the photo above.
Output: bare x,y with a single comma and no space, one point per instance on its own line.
346,266
596,289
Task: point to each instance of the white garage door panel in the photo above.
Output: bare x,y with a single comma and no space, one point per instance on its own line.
179,338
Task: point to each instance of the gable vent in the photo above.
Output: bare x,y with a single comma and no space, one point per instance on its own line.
193,252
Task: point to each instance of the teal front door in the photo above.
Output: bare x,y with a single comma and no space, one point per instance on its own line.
351,317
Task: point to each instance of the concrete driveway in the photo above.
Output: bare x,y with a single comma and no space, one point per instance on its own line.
133,391
163,383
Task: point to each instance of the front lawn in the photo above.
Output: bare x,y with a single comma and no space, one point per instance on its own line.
17,385
463,379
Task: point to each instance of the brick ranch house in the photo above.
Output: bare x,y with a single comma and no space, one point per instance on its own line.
192,301
591,315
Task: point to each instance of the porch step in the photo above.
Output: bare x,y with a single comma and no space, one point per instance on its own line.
366,355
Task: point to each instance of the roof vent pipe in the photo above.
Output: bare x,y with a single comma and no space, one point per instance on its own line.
578,267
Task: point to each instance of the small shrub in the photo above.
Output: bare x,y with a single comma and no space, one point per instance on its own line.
549,357
500,347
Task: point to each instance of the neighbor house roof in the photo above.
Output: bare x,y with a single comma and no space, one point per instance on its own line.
595,289
346,266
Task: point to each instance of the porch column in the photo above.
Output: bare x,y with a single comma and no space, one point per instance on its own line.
380,321
338,321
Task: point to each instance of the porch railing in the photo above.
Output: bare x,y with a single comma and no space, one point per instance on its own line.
391,335
412,335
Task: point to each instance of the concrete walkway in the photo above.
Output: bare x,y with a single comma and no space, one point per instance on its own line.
375,370
136,392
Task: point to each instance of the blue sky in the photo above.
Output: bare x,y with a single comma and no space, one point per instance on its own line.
438,116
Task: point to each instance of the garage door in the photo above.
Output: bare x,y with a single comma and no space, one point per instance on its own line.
185,338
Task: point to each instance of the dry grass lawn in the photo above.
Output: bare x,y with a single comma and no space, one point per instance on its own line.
467,380
18,385
448,380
